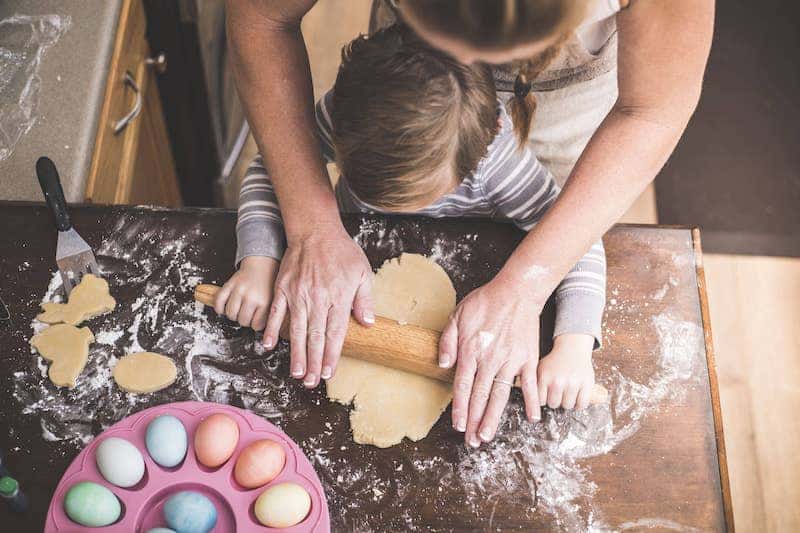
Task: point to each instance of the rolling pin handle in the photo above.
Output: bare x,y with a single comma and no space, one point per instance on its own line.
206,293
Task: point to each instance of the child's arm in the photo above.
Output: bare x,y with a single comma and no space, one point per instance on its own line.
260,241
565,375
522,190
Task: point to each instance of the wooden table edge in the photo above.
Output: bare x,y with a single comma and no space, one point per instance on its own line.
713,382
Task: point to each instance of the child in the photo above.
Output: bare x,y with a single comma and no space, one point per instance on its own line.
452,152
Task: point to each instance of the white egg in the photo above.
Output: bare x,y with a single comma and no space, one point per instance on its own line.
120,462
166,440
283,505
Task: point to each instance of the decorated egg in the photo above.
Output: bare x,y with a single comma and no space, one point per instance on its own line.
259,463
120,462
91,505
190,512
283,505
215,440
166,440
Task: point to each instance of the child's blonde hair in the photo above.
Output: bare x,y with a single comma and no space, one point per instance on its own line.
500,25
403,113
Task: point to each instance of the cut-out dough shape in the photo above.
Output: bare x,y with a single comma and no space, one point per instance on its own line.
67,348
391,404
90,298
145,372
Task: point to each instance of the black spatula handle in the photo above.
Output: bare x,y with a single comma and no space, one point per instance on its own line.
53,193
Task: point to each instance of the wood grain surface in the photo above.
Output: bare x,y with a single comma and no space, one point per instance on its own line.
663,470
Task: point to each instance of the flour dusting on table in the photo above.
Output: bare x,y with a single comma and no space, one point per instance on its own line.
161,317
152,271
450,254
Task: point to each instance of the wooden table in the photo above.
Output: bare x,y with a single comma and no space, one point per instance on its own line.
654,457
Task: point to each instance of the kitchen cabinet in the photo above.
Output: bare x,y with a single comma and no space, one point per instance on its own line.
132,161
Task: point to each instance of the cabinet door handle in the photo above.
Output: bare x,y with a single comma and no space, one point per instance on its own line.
158,62
137,104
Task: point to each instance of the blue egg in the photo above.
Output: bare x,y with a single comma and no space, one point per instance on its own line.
160,530
166,440
190,512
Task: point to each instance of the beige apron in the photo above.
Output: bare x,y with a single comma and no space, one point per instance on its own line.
573,95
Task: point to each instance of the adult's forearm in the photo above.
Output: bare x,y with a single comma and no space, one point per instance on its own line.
274,82
621,159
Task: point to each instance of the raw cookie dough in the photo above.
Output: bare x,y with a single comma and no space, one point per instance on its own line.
144,372
391,404
90,298
67,347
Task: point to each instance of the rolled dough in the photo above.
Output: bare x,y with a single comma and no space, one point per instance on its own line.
90,298
144,372
67,347
391,404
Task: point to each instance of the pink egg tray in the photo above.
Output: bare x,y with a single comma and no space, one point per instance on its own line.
143,503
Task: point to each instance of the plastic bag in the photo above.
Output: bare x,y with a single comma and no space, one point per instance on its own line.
23,42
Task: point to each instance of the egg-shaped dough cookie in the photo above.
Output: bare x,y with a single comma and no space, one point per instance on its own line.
145,372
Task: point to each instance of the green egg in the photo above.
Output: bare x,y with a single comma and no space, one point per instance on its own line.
91,505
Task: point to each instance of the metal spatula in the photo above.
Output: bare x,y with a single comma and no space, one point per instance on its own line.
73,256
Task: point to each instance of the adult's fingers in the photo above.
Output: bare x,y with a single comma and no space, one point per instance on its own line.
246,312
259,318
584,396
222,298
530,391
555,395
233,305
543,388
462,386
298,335
338,320
315,342
570,396
498,398
448,344
277,313
363,307
481,389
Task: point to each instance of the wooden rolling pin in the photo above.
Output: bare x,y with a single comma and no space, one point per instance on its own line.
404,347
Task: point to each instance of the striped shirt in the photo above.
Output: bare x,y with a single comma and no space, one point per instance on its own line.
510,184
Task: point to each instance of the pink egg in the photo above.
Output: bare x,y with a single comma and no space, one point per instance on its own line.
215,440
259,463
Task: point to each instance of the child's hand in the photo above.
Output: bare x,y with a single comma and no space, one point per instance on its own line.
246,297
566,375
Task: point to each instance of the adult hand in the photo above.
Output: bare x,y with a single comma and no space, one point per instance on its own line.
322,277
493,336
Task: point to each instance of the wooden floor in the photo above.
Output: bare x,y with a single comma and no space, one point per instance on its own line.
755,316
755,319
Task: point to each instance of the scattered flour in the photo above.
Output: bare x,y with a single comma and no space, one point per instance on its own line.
219,363
549,454
108,337
535,272
452,255
486,339
660,293
162,318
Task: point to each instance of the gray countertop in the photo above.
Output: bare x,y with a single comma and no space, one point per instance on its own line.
73,76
